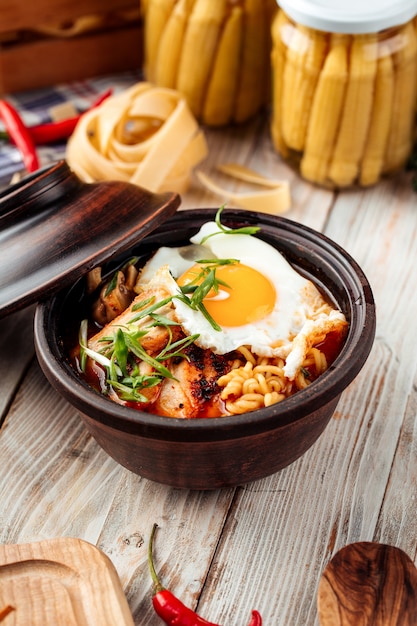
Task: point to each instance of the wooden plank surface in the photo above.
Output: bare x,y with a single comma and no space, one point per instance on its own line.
263,545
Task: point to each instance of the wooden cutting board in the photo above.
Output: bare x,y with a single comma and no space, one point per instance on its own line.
65,582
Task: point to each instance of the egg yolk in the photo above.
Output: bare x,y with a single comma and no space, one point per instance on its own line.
248,297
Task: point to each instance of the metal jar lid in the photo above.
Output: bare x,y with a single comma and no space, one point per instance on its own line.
350,16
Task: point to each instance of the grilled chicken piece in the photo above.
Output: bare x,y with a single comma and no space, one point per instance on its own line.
194,392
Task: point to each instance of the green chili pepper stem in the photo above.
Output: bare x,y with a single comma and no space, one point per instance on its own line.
155,579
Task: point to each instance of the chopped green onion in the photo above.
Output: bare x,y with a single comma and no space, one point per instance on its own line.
113,282
120,350
150,309
244,230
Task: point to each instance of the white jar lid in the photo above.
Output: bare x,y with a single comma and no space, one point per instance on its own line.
350,16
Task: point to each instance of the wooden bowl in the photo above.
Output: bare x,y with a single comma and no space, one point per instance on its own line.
226,451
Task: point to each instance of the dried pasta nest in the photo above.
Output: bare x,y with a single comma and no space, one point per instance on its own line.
145,135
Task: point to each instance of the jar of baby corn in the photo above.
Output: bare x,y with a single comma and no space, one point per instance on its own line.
344,88
216,53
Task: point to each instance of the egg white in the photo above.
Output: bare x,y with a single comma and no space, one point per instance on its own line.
299,314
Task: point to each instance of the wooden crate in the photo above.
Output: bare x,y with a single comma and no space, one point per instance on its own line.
38,47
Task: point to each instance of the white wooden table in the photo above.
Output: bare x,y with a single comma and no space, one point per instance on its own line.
262,545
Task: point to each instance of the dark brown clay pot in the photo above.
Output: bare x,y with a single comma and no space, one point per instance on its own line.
219,452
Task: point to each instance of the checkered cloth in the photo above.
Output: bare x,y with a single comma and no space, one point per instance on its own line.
33,107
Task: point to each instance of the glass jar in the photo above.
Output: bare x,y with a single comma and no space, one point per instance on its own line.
215,52
344,88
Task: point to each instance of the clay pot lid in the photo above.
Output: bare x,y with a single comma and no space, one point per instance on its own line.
54,228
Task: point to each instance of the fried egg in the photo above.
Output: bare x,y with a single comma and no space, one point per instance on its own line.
261,302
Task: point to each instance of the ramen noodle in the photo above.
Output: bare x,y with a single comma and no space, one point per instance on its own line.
260,381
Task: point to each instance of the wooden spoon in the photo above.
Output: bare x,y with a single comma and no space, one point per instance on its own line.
368,584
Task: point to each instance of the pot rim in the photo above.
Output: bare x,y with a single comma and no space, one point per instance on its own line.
326,388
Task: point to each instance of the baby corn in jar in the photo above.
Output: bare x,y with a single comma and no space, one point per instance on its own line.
344,88
216,53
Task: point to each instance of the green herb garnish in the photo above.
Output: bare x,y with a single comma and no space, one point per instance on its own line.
244,230
118,359
305,372
113,281
203,283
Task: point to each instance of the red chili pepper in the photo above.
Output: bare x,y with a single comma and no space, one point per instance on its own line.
256,619
171,609
5,611
20,135
57,131
51,132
